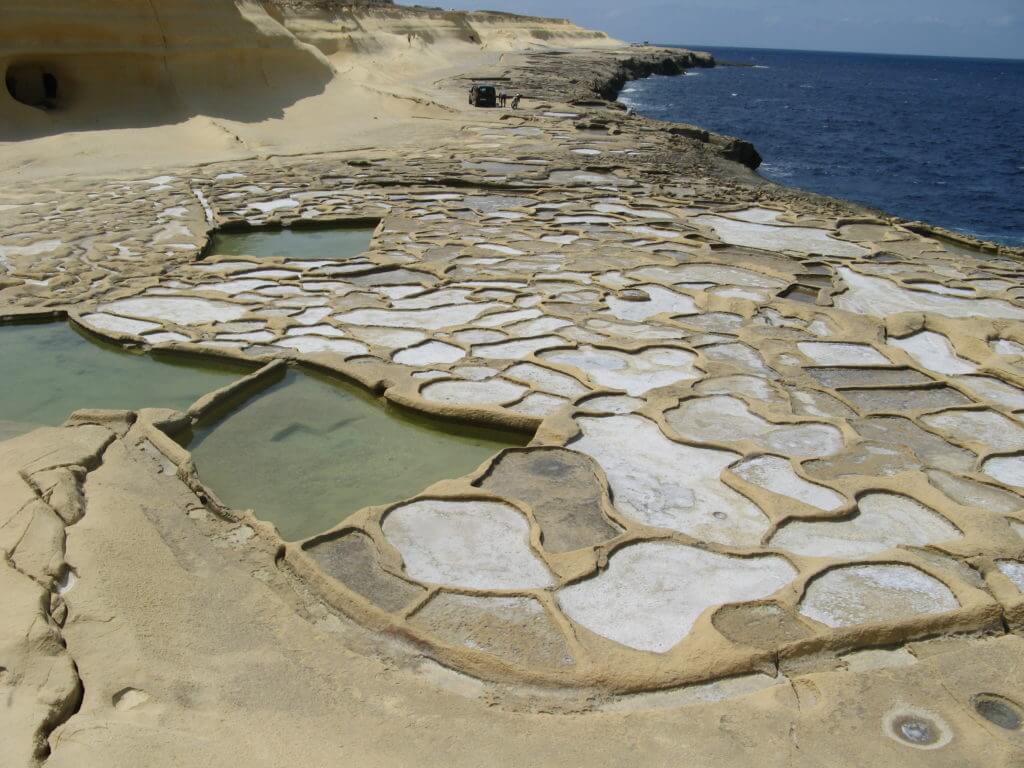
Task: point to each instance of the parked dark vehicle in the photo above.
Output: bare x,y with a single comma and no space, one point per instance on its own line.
483,96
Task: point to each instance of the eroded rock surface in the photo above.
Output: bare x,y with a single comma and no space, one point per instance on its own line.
740,399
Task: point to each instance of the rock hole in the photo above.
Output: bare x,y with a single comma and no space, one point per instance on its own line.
917,731
32,85
67,580
998,711
918,728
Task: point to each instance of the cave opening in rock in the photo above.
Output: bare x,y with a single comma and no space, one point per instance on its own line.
33,85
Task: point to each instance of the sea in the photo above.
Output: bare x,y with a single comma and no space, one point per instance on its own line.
933,139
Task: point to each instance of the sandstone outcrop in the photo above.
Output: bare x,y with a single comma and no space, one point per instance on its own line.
127,64
342,28
123,63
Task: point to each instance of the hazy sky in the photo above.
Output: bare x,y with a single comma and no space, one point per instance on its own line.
991,28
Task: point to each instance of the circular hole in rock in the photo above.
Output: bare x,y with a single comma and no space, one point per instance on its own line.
32,84
998,711
916,730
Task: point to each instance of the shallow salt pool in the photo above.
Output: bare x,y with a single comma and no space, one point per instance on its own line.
309,451
48,370
313,243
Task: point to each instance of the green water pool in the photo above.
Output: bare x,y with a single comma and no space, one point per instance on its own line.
48,370
308,451
327,243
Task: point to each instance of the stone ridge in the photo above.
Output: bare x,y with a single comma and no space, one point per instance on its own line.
305,6
299,7
652,61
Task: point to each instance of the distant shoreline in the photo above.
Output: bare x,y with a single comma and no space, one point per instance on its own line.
877,54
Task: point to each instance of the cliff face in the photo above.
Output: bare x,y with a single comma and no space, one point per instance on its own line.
667,62
87,64
337,29
128,63
583,75
287,75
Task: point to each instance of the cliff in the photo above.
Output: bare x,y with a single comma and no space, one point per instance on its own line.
130,63
75,65
338,28
124,83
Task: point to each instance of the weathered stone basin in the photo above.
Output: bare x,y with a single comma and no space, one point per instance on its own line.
308,451
48,370
335,243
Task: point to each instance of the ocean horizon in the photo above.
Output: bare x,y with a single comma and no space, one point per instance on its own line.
937,139
695,47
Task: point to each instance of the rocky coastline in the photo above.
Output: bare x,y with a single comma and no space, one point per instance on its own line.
595,79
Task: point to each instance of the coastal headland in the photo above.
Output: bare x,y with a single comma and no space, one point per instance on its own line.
753,457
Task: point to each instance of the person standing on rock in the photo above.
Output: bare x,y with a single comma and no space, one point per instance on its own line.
502,99
515,101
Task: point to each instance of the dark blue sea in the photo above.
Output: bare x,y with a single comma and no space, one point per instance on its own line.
935,139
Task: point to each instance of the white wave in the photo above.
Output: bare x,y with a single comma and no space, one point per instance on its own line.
777,170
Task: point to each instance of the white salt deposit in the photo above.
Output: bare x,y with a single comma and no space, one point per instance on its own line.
181,310
496,392
776,474
775,238
934,352
867,594
879,297
634,373
649,483
652,593
884,520
429,353
467,544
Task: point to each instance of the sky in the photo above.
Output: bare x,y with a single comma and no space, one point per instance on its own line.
983,28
